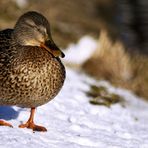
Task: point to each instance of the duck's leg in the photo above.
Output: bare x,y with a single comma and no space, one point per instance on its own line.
4,123
30,123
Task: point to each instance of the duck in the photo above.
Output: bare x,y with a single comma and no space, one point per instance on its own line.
31,71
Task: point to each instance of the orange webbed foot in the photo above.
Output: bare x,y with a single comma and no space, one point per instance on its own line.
30,123
33,126
4,123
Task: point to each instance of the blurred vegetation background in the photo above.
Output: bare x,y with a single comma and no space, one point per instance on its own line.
69,20
120,26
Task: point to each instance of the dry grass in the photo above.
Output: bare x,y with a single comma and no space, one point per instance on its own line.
111,61
99,95
139,83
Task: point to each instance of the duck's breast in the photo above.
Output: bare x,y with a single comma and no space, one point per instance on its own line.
35,77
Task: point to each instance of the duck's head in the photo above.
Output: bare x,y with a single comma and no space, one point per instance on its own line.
33,29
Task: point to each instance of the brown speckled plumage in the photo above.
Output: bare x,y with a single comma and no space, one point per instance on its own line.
30,76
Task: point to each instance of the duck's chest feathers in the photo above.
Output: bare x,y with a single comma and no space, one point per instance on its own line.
34,79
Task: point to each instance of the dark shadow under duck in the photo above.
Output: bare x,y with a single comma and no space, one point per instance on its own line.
31,73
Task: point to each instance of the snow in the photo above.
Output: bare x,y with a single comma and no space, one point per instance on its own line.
73,122
80,52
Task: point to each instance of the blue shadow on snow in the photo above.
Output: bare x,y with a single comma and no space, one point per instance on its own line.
8,113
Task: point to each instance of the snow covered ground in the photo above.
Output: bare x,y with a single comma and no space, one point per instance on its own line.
80,52
72,122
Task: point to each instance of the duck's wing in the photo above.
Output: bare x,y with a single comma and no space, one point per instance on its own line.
6,33
5,51
5,38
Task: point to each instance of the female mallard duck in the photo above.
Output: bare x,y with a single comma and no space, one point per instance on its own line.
31,73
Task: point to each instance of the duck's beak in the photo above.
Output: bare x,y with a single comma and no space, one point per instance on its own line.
52,48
